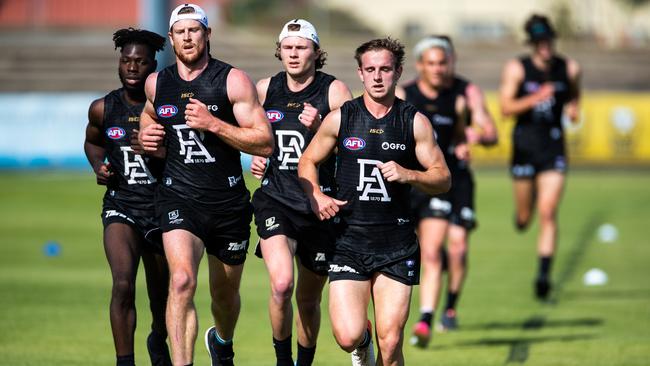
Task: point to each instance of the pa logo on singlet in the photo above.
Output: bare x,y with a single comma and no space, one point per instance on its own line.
192,146
372,186
135,169
290,145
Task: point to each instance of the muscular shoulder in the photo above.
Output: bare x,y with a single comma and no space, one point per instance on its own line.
422,128
96,112
338,94
262,87
150,86
240,86
573,68
514,69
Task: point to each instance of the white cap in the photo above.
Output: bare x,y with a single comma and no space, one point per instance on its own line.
431,42
189,11
299,28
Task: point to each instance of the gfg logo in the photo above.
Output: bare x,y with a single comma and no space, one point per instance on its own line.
392,146
167,111
354,143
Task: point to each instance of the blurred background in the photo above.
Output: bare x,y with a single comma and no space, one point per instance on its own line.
57,56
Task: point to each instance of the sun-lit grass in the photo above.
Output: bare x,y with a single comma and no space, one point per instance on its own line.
54,310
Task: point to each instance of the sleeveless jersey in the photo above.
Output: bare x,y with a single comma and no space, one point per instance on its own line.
459,86
291,138
441,111
134,175
363,142
545,119
199,167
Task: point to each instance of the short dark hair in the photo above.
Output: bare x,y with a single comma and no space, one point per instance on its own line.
152,40
538,27
320,59
392,45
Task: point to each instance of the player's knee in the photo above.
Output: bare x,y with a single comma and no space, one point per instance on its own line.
389,344
547,215
282,289
308,303
347,342
431,258
182,283
457,249
123,290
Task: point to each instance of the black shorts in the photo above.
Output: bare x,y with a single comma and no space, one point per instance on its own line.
533,152
455,206
396,254
314,238
225,235
142,220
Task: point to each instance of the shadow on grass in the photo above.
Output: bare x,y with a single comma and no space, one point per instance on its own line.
535,323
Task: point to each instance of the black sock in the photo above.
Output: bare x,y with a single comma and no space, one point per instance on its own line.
128,360
427,317
224,351
545,266
305,355
283,351
190,364
452,297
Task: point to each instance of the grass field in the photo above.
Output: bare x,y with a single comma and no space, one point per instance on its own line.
54,310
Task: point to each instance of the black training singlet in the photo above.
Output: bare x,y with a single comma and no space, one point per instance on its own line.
292,138
441,111
541,126
199,167
363,142
135,175
459,86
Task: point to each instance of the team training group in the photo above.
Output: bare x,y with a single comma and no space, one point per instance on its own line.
360,193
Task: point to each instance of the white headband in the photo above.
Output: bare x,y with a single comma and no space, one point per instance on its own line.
431,42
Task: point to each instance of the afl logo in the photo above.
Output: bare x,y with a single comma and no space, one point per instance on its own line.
167,110
354,143
115,133
274,116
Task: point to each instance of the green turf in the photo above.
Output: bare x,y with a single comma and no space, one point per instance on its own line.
54,310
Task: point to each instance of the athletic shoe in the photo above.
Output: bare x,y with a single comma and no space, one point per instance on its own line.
364,356
421,334
448,320
210,340
158,352
542,287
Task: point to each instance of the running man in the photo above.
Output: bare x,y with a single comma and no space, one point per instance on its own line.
538,89
202,112
131,231
384,146
451,103
295,101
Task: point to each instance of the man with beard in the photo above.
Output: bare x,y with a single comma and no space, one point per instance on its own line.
130,228
382,144
203,112
295,101
538,89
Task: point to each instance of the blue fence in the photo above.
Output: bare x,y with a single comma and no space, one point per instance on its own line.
47,130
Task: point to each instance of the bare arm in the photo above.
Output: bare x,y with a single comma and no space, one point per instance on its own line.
400,92
94,143
572,108
320,148
258,163
339,93
151,133
481,118
436,178
512,77
253,134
